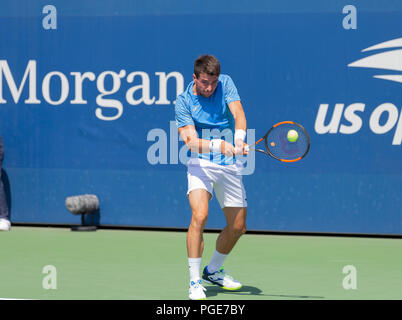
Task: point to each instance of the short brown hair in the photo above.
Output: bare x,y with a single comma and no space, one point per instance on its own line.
207,64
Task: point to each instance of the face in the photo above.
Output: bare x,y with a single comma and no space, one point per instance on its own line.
205,84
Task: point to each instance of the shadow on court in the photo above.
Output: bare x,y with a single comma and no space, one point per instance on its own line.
250,291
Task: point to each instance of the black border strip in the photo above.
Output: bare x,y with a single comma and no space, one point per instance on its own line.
171,229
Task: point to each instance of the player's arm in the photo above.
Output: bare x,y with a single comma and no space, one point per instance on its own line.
237,111
195,144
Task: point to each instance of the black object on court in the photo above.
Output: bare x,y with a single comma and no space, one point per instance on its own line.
82,204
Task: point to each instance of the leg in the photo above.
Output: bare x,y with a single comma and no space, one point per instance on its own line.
198,199
4,214
235,228
199,193
232,198
3,203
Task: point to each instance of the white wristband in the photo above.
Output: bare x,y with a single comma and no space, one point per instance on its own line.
239,134
215,145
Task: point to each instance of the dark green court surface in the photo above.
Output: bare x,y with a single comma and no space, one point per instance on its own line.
56,263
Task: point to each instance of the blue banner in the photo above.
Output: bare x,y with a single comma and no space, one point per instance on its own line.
87,93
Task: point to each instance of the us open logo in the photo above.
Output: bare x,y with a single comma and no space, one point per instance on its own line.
387,60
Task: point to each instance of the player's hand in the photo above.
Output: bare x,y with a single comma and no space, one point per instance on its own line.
227,149
241,147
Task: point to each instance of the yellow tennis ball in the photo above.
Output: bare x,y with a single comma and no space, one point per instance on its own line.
292,135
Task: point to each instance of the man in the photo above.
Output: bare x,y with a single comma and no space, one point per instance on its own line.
211,102
4,221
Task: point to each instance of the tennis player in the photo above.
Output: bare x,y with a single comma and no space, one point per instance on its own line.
212,123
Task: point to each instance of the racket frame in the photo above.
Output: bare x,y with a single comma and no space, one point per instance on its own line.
268,151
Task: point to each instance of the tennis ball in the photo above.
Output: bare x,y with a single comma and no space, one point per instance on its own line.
292,135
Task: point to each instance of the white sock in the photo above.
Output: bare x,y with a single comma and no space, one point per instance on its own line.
216,262
194,266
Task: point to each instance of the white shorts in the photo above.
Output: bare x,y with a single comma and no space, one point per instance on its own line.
226,181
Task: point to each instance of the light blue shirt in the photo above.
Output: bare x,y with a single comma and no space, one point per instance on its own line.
211,116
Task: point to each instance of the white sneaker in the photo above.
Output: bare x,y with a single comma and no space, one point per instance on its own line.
196,291
221,278
5,225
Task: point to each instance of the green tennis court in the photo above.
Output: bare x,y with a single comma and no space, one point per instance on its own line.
152,265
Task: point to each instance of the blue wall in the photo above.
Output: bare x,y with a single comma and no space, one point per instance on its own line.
288,59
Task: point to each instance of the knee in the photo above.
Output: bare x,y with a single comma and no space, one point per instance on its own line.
239,229
199,219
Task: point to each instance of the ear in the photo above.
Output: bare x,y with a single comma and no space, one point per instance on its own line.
194,76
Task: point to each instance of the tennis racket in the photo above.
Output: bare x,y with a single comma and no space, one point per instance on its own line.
278,146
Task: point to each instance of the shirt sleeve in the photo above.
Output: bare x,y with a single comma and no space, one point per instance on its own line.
231,93
182,114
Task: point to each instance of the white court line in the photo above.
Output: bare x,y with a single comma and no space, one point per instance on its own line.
14,299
